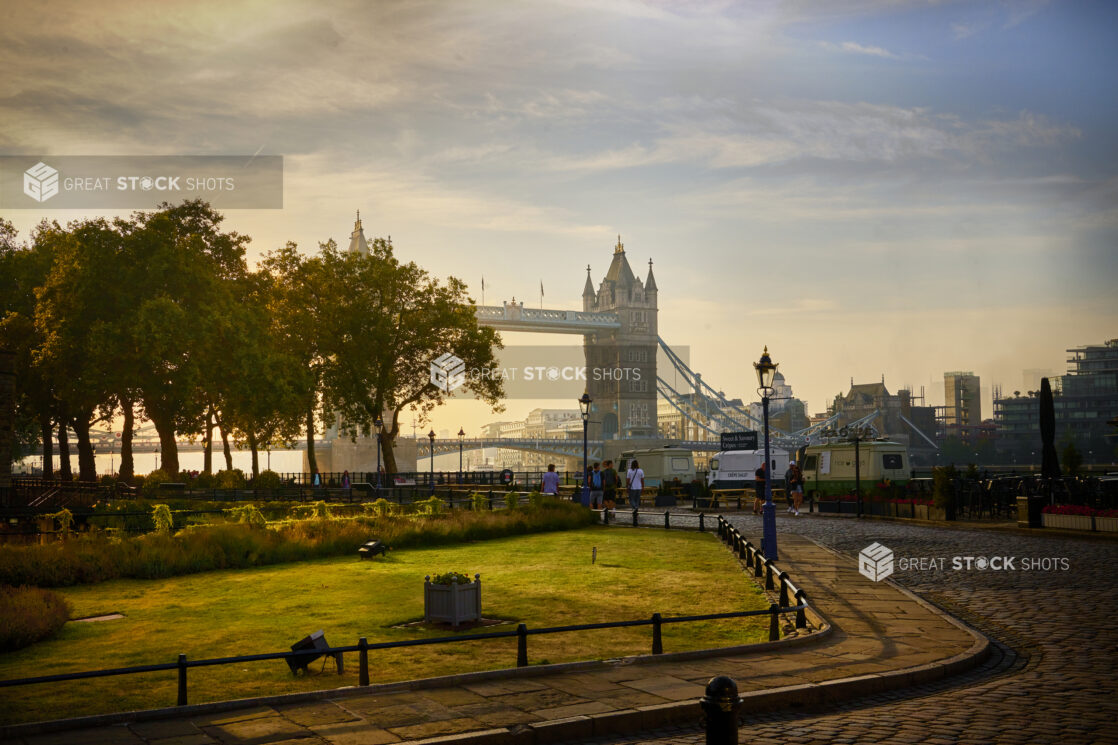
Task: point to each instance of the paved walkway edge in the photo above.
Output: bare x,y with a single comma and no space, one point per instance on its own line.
215,707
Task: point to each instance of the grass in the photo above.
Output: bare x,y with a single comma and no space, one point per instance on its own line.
540,580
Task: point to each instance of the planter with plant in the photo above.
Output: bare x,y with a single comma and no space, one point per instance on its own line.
452,598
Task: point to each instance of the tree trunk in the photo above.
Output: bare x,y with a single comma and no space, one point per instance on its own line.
127,466
388,439
48,446
87,464
312,461
208,443
228,452
255,453
168,448
64,471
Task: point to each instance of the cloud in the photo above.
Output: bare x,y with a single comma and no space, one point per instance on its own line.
853,47
765,133
964,30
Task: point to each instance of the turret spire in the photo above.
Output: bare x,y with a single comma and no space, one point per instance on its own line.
588,288
357,242
650,283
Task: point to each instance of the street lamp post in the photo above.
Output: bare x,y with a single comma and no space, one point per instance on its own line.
379,424
461,437
431,437
766,370
584,406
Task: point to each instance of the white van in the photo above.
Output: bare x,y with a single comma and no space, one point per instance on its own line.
734,469
660,465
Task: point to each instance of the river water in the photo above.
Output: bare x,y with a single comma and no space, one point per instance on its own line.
282,461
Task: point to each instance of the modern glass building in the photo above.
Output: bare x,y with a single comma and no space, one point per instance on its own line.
1086,398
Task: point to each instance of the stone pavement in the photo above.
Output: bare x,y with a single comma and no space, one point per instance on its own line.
876,631
1053,675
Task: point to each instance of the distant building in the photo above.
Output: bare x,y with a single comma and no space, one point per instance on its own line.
673,424
962,409
542,423
1084,400
865,398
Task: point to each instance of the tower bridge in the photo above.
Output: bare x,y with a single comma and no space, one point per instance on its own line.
619,326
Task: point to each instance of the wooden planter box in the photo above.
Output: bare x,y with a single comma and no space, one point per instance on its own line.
454,603
920,511
1106,524
1067,522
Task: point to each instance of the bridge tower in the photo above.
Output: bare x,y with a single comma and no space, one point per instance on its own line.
621,364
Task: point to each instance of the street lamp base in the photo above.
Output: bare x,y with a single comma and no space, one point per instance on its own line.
768,532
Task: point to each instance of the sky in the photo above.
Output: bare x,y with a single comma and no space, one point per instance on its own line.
871,188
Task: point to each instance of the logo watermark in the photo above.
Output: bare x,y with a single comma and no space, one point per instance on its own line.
564,372
107,182
448,372
40,182
875,562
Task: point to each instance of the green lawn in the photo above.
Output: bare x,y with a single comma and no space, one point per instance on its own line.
540,580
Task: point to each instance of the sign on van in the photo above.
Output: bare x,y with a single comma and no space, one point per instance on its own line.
739,440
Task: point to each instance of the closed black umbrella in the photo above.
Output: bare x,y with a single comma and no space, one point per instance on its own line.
1049,464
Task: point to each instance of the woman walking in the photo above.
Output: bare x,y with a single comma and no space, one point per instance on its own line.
635,479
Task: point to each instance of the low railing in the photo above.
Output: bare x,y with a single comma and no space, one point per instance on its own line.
726,532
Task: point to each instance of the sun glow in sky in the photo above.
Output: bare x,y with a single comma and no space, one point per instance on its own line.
868,187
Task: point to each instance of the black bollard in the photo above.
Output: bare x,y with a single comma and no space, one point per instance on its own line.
721,706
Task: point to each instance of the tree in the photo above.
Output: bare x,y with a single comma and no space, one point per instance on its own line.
181,264
303,307
81,314
261,389
23,268
391,321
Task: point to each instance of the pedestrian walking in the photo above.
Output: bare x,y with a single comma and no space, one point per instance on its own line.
794,482
758,489
596,489
635,479
609,485
550,482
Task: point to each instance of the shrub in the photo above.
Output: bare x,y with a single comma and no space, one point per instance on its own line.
96,558
153,480
380,508
536,499
234,479
479,502
512,500
431,507
162,518
248,514
943,486
321,510
267,480
65,520
204,481
28,615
